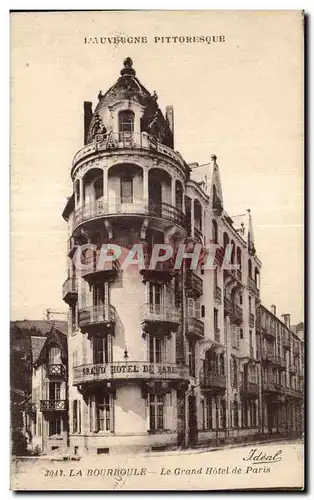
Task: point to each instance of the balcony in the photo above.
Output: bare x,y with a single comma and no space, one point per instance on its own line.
127,140
70,291
271,387
130,370
269,332
53,405
214,382
163,272
55,370
267,356
252,286
219,255
193,284
237,315
293,368
279,361
95,269
157,319
134,207
96,319
251,320
296,348
195,327
217,335
293,393
249,390
286,341
217,294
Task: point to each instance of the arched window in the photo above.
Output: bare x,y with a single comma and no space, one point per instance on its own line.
250,269
222,364
179,195
215,231
77,192
226,240
99,187
239,257
126,123
233,252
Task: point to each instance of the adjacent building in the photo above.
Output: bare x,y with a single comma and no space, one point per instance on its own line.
48,418
159,356
281,354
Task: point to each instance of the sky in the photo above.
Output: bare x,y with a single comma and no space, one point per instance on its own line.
241,99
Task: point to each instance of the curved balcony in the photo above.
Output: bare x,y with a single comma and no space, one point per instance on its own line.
136,207
195,327
70,291
130,370
53,405
126,141
97,319
157,319
213,382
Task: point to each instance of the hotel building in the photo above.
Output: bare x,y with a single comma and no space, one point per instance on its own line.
157,357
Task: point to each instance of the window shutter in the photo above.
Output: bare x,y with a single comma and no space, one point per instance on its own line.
190,307
109,354
111,401
167,410
197,312
174,410
147,412
186,353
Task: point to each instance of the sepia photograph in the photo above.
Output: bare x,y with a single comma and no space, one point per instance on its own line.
157,226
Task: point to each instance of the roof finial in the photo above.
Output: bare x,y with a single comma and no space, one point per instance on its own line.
127,70
214,158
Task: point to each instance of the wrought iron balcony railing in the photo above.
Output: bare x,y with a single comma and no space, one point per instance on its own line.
70,290
193,284
97,314
250,389
195,327
252,285
158,313
55,370
133,206
53,405
212,380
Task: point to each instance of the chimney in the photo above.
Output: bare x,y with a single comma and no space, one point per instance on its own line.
286,319
273,309
88,113
170,119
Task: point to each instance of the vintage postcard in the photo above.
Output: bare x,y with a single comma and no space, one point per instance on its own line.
157,323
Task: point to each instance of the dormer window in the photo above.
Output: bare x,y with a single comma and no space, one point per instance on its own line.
54,355
126,124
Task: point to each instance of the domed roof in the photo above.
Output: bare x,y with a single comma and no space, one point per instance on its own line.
126,87
129,87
